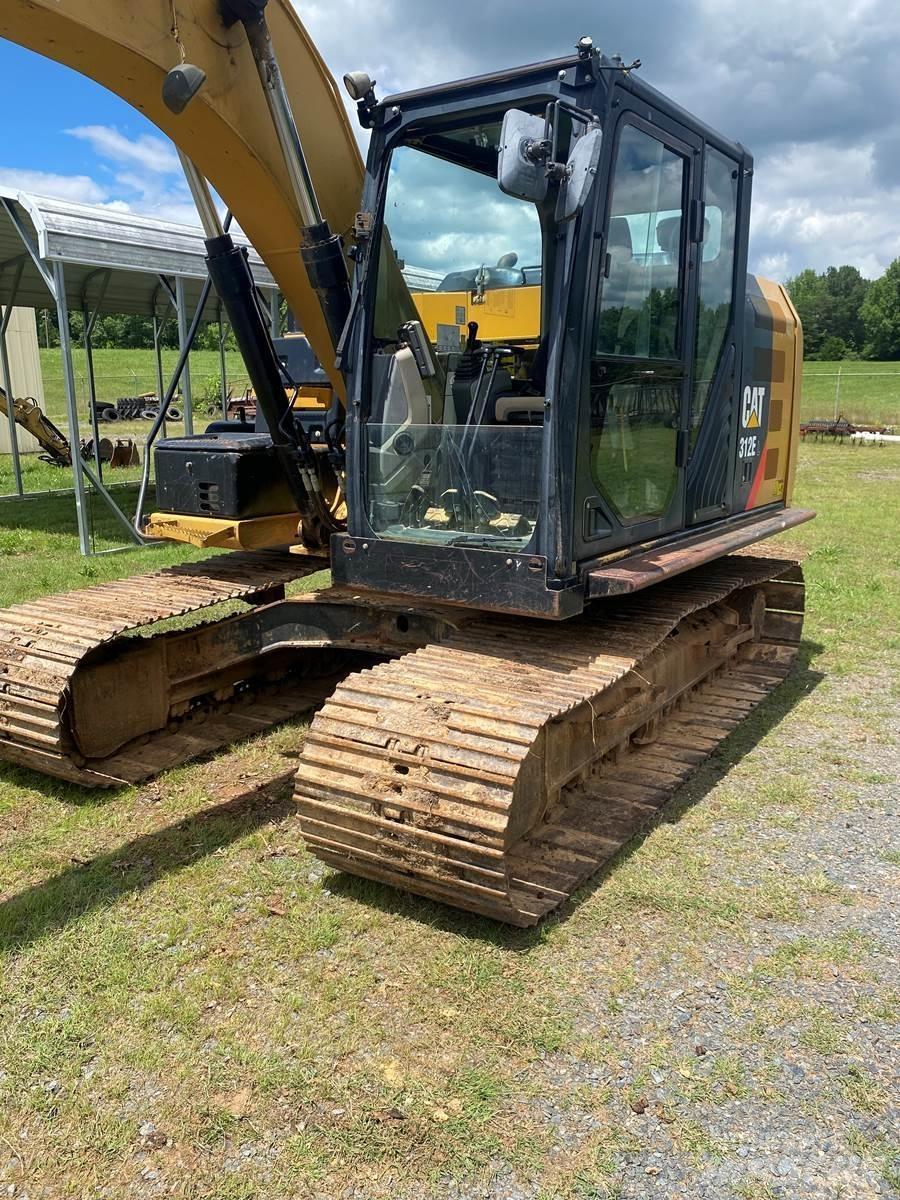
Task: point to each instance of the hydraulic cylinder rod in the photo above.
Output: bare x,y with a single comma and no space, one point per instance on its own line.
322,251
229,270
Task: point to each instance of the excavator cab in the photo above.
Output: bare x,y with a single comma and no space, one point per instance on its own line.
499,453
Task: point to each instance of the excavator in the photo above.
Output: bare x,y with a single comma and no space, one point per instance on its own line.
560,415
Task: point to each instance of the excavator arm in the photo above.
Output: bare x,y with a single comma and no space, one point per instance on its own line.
130,45
28,413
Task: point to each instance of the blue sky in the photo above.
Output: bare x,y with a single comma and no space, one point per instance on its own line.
811,87
72,138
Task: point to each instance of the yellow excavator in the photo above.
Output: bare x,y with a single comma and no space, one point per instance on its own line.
560,413
55,448
31,417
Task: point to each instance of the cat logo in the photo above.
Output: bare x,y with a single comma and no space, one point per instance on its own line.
752,408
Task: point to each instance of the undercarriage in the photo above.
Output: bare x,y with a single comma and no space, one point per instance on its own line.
490,762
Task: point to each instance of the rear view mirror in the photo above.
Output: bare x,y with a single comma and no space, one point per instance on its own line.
581,170
518,173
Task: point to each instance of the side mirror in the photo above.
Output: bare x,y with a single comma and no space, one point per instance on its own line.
581,170
518,173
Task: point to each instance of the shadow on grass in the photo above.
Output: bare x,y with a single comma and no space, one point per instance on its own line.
29,915
802,680
48,512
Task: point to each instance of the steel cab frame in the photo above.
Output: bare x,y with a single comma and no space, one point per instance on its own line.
549,577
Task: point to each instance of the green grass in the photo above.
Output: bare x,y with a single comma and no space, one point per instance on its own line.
853,556
862,1091
37,550
865,391
131,373
881,1152
372,1041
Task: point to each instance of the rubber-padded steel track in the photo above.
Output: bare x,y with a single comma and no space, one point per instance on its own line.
498,769
44,643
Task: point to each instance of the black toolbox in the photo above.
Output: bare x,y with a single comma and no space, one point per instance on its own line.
234,475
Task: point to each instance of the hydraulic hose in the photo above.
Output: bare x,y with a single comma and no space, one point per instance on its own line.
229,270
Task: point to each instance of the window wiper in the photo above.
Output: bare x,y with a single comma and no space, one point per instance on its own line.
485,542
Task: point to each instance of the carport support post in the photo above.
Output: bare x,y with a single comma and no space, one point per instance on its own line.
223,382
65,348
181,310
7,379
92,389
160,386
89,317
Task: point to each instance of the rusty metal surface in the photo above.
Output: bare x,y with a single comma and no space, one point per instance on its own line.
635,572
44,645
498,769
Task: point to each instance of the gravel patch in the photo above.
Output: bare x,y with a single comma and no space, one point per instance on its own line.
804,1108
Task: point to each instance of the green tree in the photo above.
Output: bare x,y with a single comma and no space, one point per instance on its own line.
830,307
833,349
125,331
846,290
810,297
881,315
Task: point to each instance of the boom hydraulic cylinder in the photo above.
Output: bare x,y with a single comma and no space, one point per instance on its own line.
321,249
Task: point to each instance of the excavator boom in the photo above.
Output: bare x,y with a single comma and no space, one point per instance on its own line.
226,130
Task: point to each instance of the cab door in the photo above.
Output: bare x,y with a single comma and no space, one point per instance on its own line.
640,305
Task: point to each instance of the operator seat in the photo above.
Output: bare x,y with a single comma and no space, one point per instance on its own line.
615,316
668,238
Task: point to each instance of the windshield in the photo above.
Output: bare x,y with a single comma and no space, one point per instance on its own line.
456,387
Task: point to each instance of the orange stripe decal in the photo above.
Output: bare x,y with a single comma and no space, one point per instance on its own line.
757,478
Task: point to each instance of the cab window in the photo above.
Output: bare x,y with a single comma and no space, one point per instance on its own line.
639,309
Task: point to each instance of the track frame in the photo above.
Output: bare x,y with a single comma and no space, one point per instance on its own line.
497,770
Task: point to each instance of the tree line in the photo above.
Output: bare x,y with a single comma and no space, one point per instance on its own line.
120,331
844,315
847,316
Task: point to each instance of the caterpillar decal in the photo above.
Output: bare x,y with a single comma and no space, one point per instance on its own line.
769,429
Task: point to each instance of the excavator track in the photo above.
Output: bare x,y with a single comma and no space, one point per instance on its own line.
498,769
60,682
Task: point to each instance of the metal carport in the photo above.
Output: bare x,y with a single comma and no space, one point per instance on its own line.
101,260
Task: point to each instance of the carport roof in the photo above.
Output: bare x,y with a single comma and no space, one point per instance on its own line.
90,239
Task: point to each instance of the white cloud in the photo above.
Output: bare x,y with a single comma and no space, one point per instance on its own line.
146,151
445,219
812,88
126,193
80,189
818,206
145,176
